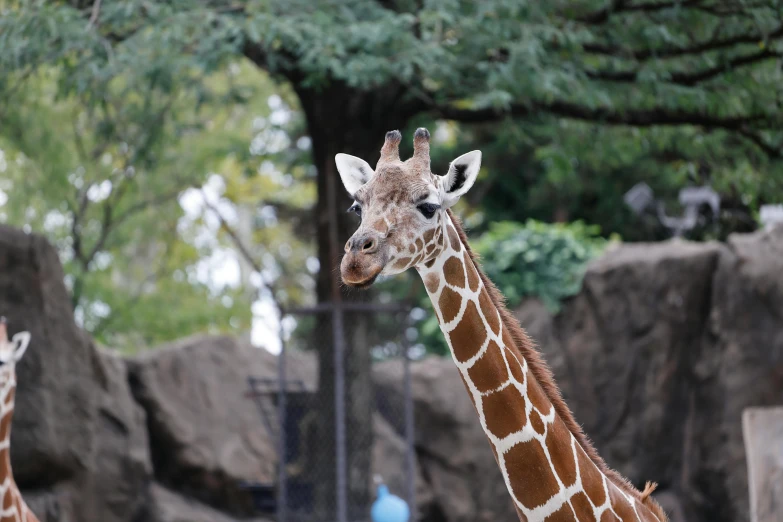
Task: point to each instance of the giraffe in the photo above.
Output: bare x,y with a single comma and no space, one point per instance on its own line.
550,468
14,508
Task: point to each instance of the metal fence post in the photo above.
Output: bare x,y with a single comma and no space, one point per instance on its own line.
282,479
339,413
339,350
410,455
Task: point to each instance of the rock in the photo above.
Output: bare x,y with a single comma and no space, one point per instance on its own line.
206,435
745,366
629,342
51,506
54,400
168,506
451,448
660,352
121,469
388,461
78,441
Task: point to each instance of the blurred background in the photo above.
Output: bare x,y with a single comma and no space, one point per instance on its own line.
172,221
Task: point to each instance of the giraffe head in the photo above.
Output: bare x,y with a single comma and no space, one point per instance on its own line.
11,351
402,205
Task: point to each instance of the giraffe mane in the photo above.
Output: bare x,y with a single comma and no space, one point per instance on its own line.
543,374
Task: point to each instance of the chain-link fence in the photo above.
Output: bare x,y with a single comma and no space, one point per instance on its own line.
338,438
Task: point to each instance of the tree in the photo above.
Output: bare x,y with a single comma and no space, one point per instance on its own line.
362,68
136,262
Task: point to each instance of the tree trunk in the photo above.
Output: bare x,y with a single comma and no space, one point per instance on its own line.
343,120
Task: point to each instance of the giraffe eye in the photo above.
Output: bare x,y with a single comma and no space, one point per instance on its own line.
356,208
428,209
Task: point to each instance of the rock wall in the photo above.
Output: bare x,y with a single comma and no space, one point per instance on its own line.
660,353
657,356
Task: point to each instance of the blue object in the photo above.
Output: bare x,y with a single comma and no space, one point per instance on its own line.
389,508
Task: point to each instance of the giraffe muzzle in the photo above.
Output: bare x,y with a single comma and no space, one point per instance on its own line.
364,260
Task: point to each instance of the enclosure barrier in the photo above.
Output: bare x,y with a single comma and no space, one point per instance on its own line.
284,405
762,430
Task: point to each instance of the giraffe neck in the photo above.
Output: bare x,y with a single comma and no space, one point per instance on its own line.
547,468
13,506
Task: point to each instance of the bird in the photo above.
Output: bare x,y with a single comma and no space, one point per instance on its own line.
388,507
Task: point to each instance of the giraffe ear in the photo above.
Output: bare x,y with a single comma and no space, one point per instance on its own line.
354,172
460,177
20,340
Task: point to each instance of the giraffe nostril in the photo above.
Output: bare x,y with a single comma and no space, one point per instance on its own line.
347,246
368,245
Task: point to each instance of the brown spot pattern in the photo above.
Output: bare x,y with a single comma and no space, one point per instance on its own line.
428,235
514,363
473,278
454,239
620,504
592,479
402,263
431,282
537,397
528,459
582,506
489,372
5,463
489,311
455,275
608,516
468,336
558,442
380,226
537,423
501,412
449,303
5,427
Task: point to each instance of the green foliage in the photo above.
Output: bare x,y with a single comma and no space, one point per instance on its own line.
562,170
105,185
537,259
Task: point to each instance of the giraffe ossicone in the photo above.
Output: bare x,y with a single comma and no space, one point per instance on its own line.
551,470
13,507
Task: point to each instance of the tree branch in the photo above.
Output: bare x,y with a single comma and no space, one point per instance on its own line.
674,52
632,117
635,118
622,6
245,253
771,150
689,79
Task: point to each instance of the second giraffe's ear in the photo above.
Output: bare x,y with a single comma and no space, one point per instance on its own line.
354,172
460,177
20,341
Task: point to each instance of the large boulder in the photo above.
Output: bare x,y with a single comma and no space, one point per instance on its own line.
51,440
206,434
661,351
78,444
121,468
389,454
168,506
743,368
